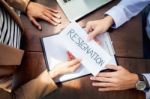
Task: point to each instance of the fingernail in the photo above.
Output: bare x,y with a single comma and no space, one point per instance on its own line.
91,78
93,84
99,89
40,28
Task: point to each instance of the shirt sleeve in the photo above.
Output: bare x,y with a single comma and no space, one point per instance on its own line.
125,10
18,4
36,88
148,79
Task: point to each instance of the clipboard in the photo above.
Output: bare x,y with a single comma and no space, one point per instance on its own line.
55,53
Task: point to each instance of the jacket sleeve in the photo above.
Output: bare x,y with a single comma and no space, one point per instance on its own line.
18,4
36,88
125,10
11,53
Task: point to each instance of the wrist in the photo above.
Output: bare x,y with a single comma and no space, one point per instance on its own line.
109,20
53,74
27,6
135,79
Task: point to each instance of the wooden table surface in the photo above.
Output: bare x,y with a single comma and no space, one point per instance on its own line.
127,41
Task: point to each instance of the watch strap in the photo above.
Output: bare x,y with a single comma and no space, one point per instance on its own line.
143,78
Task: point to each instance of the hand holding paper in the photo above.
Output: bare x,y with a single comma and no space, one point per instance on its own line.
92,56
64,68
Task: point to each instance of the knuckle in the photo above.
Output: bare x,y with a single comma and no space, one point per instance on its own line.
41,15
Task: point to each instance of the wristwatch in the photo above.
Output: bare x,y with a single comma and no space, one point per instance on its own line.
142,84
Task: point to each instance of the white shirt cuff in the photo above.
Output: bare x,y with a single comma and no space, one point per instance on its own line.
148,79
118,16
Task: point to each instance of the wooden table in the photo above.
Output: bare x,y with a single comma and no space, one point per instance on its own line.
127,41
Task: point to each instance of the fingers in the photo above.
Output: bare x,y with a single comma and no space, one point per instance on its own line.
93,34
72,62
113,67
44,13
96,27
52,16
52,10
106,74
98,41
74,67
56,15
101,84
88,29
104,84
56,20
70,56
33,20
101,79
91,29
47,18
108,89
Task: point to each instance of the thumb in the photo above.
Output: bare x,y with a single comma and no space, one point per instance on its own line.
88,29
113,67
93,34
72,62
33,20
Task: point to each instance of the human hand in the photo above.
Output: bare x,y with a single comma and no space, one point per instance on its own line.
120,79
38,11
97,27
66,67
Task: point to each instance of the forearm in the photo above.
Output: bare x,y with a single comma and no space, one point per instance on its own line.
125,10
36,88
18,4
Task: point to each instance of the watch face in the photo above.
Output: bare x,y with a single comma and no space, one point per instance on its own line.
140,85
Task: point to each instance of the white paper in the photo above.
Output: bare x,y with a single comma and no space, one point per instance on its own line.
92,56
55,53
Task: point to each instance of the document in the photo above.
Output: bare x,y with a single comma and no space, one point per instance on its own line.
92,56
73,38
